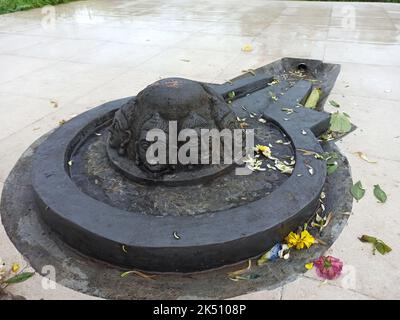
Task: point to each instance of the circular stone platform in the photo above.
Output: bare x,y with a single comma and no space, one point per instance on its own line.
43,247
89,184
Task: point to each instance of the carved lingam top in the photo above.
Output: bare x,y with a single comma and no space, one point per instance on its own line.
191,104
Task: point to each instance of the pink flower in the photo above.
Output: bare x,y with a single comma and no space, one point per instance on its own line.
328,267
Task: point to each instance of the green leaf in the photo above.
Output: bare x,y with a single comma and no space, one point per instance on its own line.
331,168
379,194
333,103
340,123
346,114
357,190
313,98
231,94
19,277
378,244
382,247
365,238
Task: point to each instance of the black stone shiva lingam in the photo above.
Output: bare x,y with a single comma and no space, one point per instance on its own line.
184,103
94,184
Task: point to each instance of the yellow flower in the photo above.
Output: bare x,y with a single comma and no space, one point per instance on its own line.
306,239
292,239
299,241
247,48
15,267
309,265
266,151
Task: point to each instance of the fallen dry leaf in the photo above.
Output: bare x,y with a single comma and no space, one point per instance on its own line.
232,275
249,71
138,273
54,103
363,156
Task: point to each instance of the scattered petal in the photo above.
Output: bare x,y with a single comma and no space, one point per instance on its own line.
176,235
253,164
247,48
273,82
138,273
288,111
273,96
266,151
310,169
283,168
15,267
321,222
363,156
309,265
286,256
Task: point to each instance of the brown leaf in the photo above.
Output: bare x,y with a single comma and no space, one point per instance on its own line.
363,156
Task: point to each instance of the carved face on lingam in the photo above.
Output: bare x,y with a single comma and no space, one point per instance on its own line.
188,104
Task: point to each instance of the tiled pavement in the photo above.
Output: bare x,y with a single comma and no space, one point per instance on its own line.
95,51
